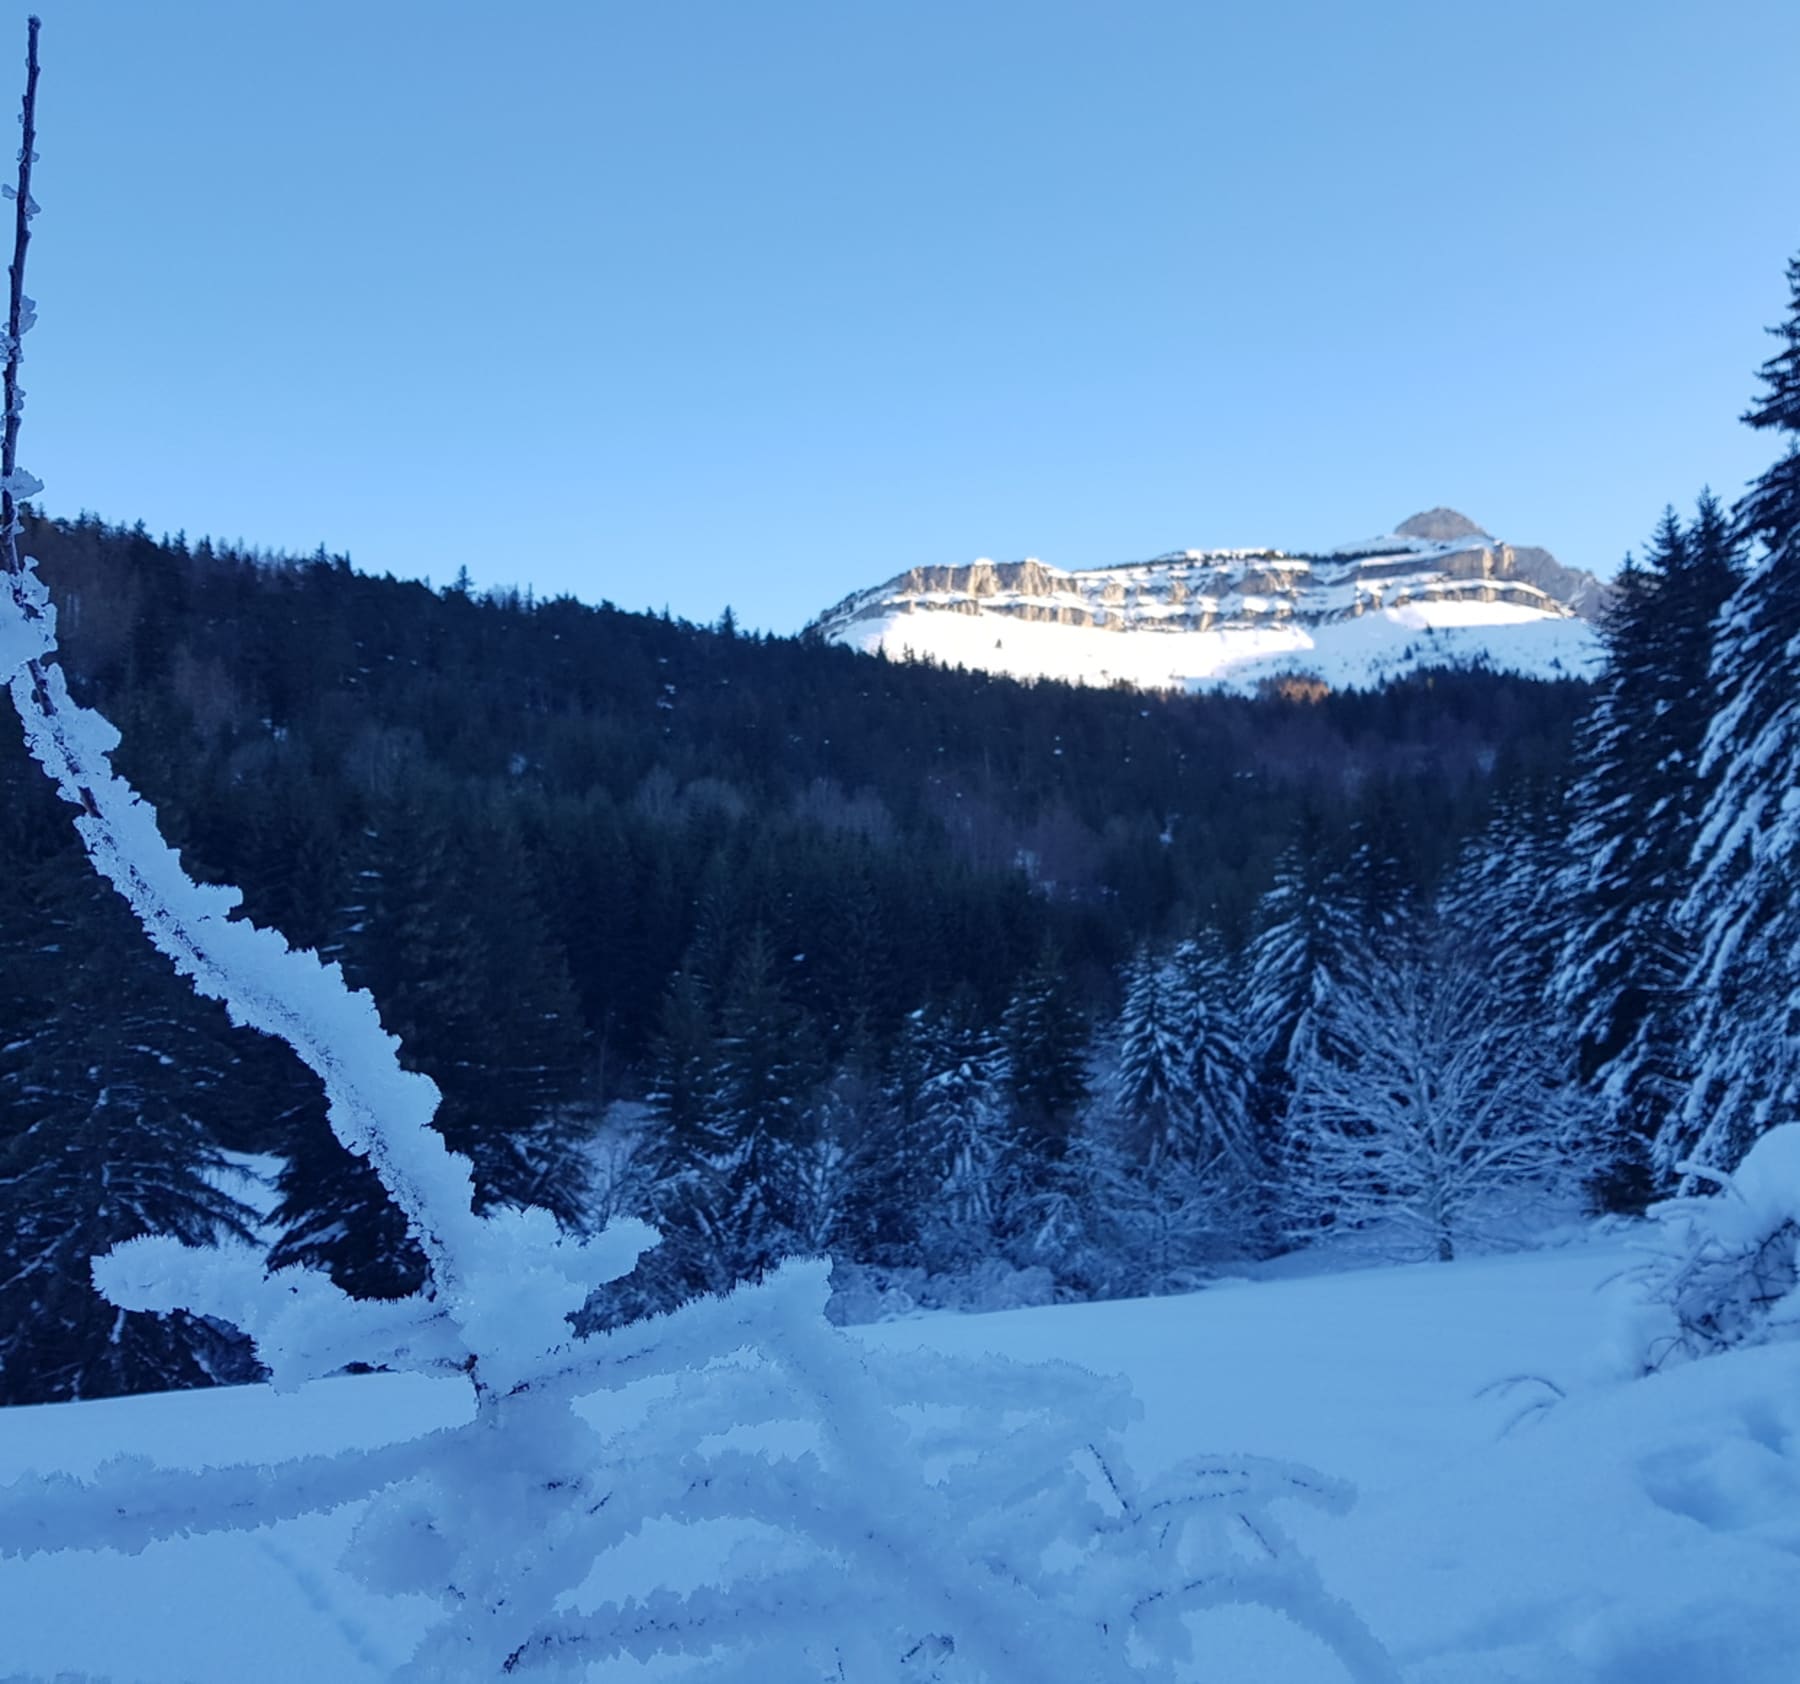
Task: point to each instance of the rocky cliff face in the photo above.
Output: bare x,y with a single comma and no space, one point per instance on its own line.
1438,573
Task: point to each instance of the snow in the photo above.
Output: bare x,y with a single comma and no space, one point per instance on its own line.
1353,653
1724,1265
1623,1532
1227,619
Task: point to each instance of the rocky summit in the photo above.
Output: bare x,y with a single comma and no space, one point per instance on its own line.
1438,591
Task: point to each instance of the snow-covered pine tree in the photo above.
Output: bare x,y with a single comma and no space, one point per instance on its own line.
963,1112
681,1150
1046,1042
1622,973
1304,936
1151,1090
843,1140
1173,1178
767,1073
897,1171
1220,1073
1506,895
1745,902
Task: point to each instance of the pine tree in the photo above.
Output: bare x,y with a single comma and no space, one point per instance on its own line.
1223,1136
1045,1040
99,1141
1305,935
1151,1091
440,926
1745,903
895,1165
1622,975
1505,905
682,1150
1172,1178
962,1112
766,1080
1382,878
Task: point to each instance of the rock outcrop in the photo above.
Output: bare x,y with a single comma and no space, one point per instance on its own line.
1434,583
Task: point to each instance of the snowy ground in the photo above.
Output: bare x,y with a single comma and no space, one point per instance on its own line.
1632,1533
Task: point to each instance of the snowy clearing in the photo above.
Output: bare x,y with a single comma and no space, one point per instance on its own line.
1642,1532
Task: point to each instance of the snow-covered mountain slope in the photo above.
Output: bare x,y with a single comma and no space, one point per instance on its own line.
1437,592
1521,1519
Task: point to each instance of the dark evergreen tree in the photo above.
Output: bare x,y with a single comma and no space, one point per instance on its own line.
1305,934
1383,878
684,1151
766,1078
440,929
898,1165
1745,905
1045,1038
1626,955
98,1143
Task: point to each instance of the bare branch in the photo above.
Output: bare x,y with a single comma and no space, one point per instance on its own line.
17,306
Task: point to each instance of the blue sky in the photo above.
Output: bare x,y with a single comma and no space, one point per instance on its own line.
758,301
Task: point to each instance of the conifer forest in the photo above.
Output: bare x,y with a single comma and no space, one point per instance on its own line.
547,1140
993,992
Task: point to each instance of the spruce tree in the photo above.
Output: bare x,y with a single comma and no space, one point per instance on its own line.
114,1092
681,1154
766,1079
897,1170
440,926
1745,903
1172,1176
1622,974
1045,1039
1151,1090
1219,1073
1305,934
962,1113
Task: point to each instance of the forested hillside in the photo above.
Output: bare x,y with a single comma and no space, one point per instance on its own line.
581,855
991,992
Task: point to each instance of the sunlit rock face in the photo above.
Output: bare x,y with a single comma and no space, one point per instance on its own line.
1438,591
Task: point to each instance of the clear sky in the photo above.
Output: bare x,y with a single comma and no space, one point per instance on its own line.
759,301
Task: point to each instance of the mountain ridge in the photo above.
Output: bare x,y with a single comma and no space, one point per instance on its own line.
1437,591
